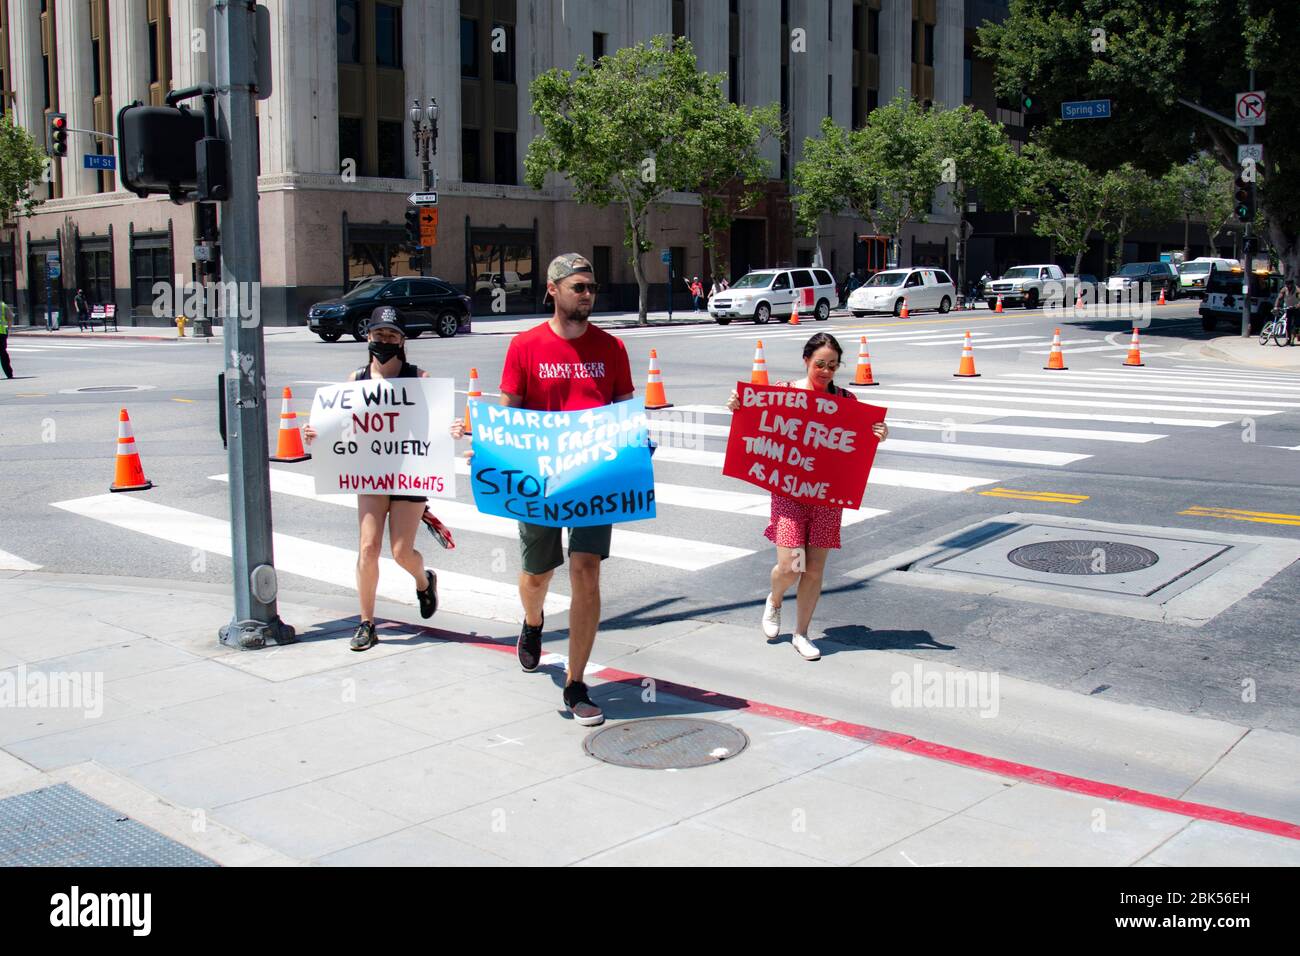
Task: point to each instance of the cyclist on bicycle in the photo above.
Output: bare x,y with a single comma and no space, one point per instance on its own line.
1289,298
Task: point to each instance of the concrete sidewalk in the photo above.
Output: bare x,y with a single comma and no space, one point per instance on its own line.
435,748
1248,351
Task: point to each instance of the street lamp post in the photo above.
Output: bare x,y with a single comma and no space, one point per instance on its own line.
424,130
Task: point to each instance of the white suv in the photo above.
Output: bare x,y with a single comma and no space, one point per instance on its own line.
763,293
923,288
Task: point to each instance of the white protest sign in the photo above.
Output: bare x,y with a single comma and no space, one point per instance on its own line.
385,437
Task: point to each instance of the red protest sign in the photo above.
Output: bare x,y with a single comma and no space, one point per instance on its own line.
806,445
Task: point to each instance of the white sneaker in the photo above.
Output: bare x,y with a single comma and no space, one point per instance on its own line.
771,620
806,648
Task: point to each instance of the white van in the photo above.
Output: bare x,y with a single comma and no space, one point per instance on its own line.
1194,274
763,293
923,288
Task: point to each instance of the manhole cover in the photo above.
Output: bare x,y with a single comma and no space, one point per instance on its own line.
1083,557
666,743
104,388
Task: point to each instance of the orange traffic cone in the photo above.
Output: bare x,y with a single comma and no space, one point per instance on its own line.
129,473
654,386
794,314
998,307
1162,296
1078,300
966,368
1056,361
758,375
1134,352
863,376
471,393
288,447
902,313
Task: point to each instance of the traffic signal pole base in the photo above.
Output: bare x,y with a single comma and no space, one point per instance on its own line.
254,635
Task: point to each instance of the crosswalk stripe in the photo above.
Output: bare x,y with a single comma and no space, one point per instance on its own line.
996,411
1027,346
1006,341
710,499
1061,387
922,480
1186,384
1104,380
758,332
685,554
1146,349
949,392
11,562
458,593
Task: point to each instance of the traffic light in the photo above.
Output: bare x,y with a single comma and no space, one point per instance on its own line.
1243,199
58,134
413,227
1028,103
157,148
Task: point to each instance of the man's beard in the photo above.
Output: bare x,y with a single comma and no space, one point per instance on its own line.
579,313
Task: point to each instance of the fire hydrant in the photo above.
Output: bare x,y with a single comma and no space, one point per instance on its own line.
180,326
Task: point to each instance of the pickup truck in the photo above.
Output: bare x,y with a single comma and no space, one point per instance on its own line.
1032,286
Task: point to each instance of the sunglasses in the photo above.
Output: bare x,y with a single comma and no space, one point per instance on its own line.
823,364
581,288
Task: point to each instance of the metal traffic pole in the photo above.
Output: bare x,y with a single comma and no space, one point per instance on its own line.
256,620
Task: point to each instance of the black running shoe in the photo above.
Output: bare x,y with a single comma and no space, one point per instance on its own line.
580,705
529,648
428,598
365,637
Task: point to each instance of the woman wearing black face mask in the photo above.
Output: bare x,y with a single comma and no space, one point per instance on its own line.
387,341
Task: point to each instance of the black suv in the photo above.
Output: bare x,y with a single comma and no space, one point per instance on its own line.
423,304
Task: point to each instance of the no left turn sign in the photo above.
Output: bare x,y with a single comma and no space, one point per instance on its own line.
1250,109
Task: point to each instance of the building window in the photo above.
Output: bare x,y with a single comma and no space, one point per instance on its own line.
503,158
679,18
678,255
96,86
392,157
94,271
388,36
597,46
350,139
151,262
469,155
873,99
468,47
601,262
349,29
967,76
733,79
160,72
929,44
873,31
916,42
503,61
830,96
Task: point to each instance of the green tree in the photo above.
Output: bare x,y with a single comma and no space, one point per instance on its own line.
22,165
1067,197
1201,189
1144,57
641,124
1132,200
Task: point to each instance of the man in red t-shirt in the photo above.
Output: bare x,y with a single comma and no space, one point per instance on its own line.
565,364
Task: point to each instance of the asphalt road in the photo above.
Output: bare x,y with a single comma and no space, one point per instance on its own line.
1133,446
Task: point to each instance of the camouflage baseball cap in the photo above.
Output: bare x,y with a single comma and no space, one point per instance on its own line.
567,264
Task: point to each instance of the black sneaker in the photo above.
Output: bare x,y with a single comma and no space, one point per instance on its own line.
580,705
365,637
428,598
529,648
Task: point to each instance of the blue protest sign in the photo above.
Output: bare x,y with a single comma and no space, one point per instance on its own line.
562,469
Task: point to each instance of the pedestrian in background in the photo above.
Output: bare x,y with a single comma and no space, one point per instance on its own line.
82,307
387,348
804,534
4,338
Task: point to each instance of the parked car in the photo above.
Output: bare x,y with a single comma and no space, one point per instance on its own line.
423,304
1223,291
1160,276
763,293
1031,286
1195,273
923,288
510,281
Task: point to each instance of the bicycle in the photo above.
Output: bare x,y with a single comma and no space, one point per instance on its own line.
1279,329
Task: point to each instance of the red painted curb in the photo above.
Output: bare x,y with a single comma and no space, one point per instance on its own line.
935,751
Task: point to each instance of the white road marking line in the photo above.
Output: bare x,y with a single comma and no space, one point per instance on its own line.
1187,384
1102,390
1128,382
994,411
1020,456
949,392
924,480
458,593
1078,434
684,554
11,562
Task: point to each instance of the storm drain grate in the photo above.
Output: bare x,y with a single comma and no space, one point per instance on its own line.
61,826
1075,556
666,743
109,388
